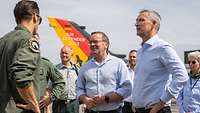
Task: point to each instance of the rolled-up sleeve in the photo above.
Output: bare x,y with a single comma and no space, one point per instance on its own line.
175,66
57,81
24,64
125,82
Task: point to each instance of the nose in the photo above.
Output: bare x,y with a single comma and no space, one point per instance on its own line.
64,54
136,24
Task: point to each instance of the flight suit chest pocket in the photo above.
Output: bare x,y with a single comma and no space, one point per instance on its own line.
42,74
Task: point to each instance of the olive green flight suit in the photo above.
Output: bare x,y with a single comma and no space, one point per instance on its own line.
19,57
47,71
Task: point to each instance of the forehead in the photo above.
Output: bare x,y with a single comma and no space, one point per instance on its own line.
66,49
133,53
143,15
96,36
192,58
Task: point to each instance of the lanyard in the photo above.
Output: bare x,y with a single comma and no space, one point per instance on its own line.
194,83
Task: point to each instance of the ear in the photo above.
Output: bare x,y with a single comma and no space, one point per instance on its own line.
154,23
34,17
106,45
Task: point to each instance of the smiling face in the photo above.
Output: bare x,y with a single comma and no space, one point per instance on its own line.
98,45
132,58
66,54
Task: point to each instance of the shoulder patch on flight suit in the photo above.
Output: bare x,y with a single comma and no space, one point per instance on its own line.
34,45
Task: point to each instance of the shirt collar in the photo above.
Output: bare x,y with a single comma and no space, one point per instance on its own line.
108,57
150,42
20,27
61,66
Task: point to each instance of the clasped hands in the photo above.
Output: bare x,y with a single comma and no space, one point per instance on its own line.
94,101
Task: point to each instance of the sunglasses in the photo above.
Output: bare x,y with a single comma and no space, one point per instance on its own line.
39,19
193,62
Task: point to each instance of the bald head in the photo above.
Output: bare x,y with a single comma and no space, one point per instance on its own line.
66,54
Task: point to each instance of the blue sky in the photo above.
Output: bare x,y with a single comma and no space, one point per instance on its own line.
180,22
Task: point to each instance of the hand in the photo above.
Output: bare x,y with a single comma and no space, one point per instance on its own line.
46,100
133,109
29,107
99,99
156,107
90,102
82,108
47,109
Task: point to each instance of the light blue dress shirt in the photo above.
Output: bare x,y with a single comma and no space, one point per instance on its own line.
103,79
156,62
189,98
131,73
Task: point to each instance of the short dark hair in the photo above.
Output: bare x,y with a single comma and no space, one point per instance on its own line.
24,10
133,50
104,36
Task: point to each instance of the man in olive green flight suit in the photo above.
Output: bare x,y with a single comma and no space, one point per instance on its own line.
47,71
19,58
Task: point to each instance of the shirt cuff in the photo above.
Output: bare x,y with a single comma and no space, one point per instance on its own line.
165,98
23,84
79,93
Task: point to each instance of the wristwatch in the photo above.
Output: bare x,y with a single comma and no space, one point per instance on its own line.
107,99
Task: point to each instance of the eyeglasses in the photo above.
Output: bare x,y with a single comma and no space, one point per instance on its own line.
39,19
95,41
193,62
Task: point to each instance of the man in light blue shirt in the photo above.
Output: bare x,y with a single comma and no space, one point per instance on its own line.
103,82
157,61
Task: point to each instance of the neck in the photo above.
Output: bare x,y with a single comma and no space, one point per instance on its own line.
28,26
66,63
149,36
132,67
101,58
195,75
195,72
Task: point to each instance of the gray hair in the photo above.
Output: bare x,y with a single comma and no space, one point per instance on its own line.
195,55
153,16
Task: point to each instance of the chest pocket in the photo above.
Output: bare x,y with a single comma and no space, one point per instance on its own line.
42,74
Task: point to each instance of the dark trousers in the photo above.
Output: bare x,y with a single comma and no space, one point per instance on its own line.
163,110
119,110
127,108
61,106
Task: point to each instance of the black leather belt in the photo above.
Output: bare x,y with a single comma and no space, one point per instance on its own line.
65,101
144,110
111,111
127,103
